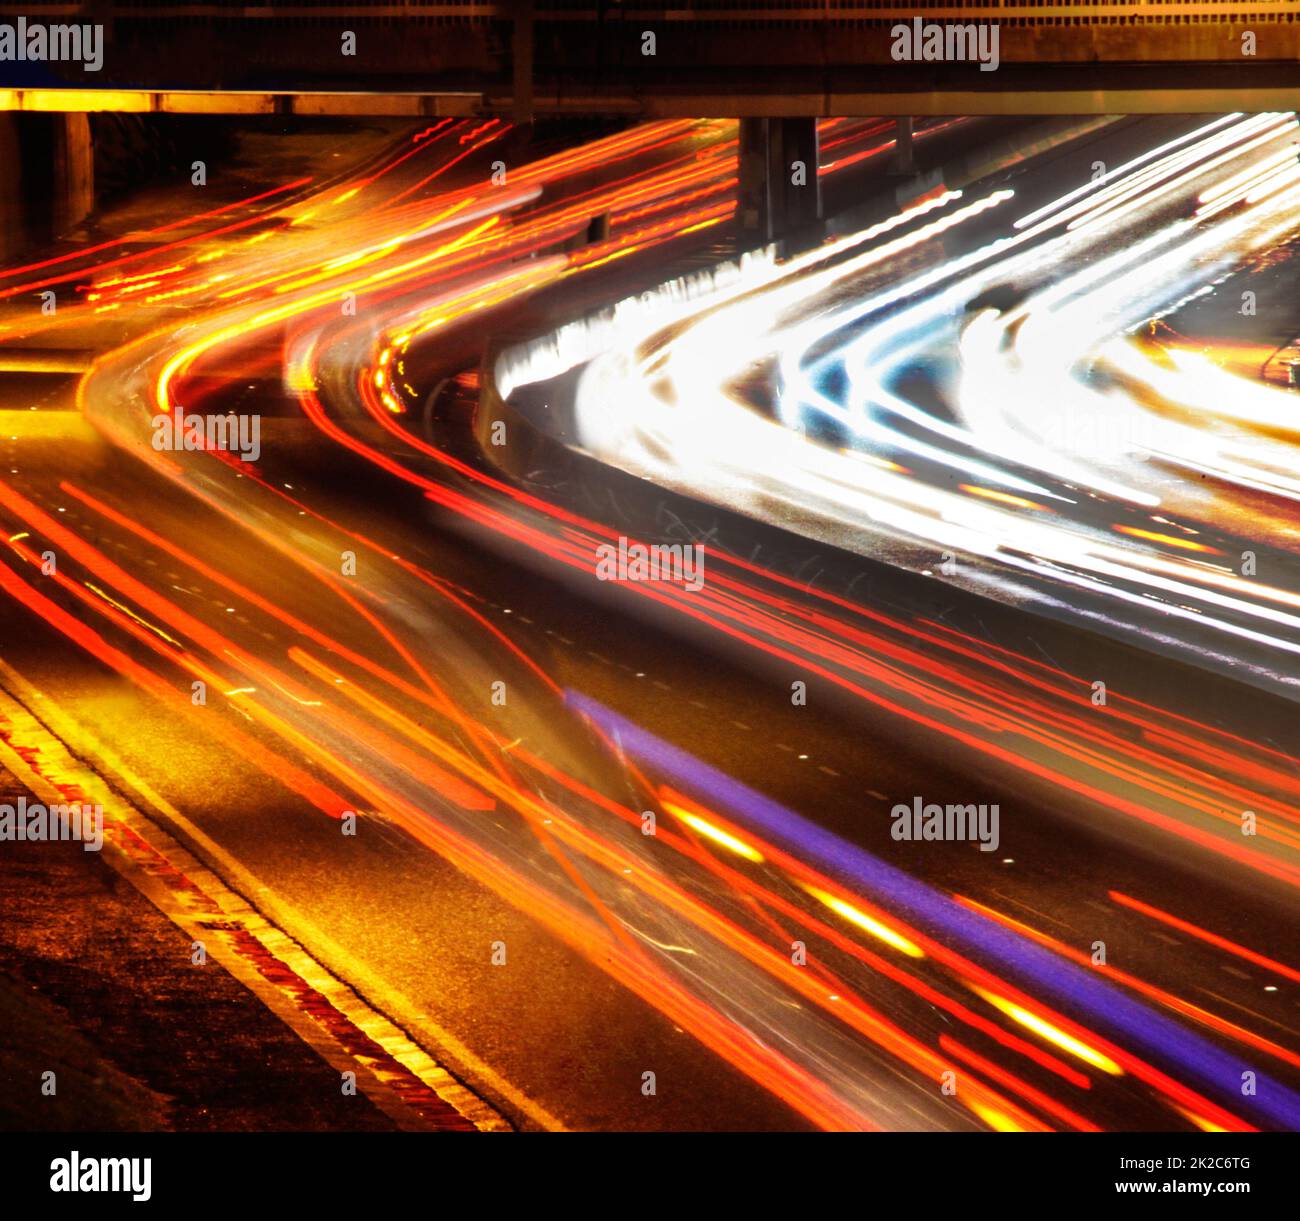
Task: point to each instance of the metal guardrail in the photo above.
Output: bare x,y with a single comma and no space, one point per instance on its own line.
745,12
874,10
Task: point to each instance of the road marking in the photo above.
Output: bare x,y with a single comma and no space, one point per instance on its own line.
394,1071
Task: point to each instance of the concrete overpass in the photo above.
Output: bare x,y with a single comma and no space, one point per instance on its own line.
768,62
735,57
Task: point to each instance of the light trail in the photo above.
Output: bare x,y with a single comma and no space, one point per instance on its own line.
807,841
697,922
662,402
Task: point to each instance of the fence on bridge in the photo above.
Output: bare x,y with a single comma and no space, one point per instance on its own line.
749,13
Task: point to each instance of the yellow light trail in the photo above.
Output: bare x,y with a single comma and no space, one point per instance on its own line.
1053,1034
882,932
716,834
1169,540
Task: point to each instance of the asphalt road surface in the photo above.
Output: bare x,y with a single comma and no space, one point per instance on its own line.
567,832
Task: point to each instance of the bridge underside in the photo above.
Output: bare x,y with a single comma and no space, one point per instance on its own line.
776,64
820,99
706,57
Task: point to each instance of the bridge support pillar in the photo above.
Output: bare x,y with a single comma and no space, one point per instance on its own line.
49,186
13,212
73,190
779,197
